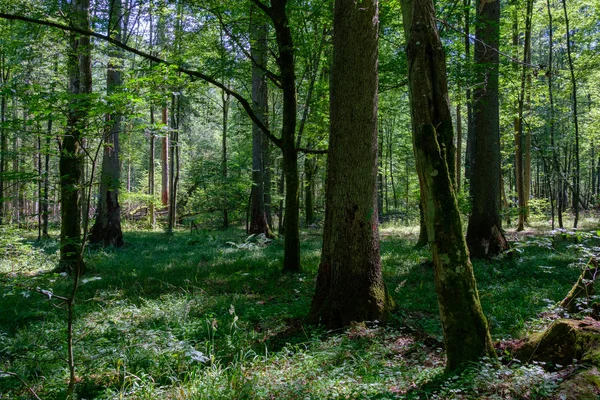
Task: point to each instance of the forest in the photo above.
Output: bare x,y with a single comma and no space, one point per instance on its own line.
298,199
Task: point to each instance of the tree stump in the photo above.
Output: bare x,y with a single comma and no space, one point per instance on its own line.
565,341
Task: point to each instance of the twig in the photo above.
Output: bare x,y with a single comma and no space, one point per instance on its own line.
33,393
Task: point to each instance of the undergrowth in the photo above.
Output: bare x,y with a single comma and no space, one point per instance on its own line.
206,316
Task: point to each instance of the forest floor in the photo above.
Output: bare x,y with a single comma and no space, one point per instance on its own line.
208,315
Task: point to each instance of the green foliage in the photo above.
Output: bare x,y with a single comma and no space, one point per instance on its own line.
193,316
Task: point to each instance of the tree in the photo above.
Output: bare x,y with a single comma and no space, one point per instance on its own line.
350,284
259,51
576,192
107,228
71,156
466,332
484,233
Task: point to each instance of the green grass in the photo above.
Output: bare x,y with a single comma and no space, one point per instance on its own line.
192,316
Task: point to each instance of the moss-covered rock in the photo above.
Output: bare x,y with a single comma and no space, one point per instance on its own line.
584,385
563,342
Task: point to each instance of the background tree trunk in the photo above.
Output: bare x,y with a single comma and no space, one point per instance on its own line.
107,228
577,178
259,49
225,102
484,234
164,157
71,157
350,284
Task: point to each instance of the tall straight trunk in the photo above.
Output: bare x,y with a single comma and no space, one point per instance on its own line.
225,101
380,177
164,157
577,178
593,171
151,178
45,197
3,151
523,144
174,175
151,208
259,49
40,180
484,233
310,165
458,148
466,333
71,156
391,160
350,283
267,179
470,147
107,228
285,45
281,208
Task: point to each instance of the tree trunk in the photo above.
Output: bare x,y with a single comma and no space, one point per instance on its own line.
484,233
310,165
225,101
46,187
3,147
259,49
151,208
107,228
466,332
458,148
267,179
71,156
523,139
470,147
164,157
577,178
172,204
285,44
350,284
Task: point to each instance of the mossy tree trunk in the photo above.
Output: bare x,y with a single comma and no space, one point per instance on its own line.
485,237
465,328
71,155
107,227
350,285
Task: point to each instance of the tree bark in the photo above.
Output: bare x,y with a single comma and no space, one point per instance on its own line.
164,157
225,102
577,178
107,228
285,45
3,145
466,332
522,138
71,157
458,148
350,284
485,237
46,185
470,146
258,49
